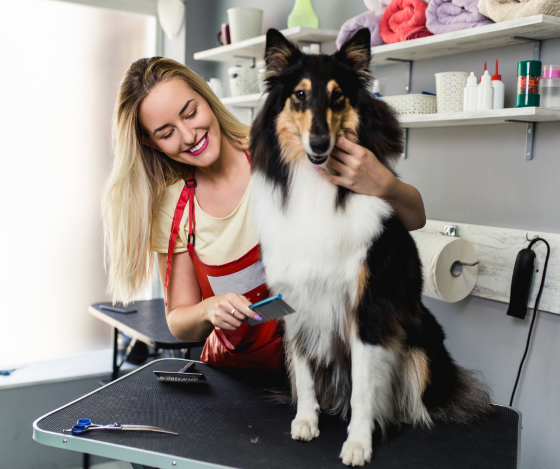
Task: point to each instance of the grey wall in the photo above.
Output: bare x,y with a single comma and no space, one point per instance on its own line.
20,407
479,175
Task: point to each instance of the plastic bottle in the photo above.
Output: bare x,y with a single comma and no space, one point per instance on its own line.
499,89
485,93
550,86
303,15
376,91
470,101
528,77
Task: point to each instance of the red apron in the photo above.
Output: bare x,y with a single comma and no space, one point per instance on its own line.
256,347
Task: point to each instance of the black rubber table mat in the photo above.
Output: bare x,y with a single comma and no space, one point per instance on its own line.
231,421
149,320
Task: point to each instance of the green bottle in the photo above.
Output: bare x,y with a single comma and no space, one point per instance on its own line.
303,15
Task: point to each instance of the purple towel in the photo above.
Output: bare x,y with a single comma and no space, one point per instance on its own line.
444,16
366,20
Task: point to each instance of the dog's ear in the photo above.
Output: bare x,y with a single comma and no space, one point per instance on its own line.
279,52
356,52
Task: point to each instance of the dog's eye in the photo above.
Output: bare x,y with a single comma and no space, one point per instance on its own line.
336,95
300,95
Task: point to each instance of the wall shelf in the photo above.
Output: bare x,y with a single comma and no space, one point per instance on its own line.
254,47
495,116
249,101
537,27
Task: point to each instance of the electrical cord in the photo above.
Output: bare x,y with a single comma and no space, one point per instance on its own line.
535,310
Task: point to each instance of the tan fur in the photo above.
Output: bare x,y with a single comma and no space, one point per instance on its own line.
350,123
288,136
415,379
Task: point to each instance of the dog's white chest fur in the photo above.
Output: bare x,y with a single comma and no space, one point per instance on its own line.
313,252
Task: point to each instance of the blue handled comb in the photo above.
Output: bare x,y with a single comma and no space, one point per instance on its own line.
271,308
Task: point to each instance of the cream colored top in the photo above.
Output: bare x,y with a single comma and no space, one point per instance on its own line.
218,240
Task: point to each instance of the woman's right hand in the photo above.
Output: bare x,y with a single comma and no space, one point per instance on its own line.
228,311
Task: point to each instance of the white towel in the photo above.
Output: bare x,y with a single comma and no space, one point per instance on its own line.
505,10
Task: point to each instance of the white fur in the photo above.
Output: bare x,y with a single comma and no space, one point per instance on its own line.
312,252
306,424
372,376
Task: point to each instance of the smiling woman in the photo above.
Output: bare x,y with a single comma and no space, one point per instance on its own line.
173,137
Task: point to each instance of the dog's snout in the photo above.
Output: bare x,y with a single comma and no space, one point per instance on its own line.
319,143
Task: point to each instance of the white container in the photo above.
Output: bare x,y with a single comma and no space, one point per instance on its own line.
217,87
412,103
470,95
450,91
243,81
550,92
485,93
261,72
244,23
499,92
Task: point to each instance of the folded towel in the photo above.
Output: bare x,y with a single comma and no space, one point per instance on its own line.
366,20
505,10
377,6
444,16
403,20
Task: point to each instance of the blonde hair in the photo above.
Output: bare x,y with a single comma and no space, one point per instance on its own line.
140,173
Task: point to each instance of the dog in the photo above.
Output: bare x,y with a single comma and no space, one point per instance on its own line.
361,339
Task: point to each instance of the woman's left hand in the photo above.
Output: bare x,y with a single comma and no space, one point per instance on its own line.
358,170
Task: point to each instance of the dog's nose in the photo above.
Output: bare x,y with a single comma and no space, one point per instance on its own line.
319,143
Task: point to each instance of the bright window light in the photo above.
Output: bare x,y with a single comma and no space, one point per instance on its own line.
62,64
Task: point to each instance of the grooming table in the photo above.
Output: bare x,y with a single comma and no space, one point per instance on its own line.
230,421
147,324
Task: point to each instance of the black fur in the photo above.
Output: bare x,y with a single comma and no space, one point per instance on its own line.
391,307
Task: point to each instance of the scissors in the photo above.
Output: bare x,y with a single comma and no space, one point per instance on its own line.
85,425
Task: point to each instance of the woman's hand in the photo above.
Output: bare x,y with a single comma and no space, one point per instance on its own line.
359,170
228,311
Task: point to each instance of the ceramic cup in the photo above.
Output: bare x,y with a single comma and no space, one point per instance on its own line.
243,81
450,91
244,23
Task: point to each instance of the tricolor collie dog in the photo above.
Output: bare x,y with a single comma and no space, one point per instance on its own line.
361,339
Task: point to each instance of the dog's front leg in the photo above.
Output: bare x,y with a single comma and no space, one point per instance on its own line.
372,369
306,424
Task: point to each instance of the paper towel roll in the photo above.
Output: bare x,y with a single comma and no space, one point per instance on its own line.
438,254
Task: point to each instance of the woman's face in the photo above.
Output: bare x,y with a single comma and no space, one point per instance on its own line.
179,122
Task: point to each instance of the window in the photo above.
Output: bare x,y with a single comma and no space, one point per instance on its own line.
62,64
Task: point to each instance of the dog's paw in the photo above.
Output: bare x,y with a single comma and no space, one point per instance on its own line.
304,429
356,453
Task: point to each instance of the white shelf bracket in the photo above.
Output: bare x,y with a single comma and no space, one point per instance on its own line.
407,72
529,137
536,45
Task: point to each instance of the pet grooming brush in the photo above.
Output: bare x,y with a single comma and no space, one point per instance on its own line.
181,376
271,308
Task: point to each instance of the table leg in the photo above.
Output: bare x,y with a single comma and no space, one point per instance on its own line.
85,461
116,367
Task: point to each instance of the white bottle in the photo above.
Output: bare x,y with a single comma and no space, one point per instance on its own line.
499,89
485,93
470,101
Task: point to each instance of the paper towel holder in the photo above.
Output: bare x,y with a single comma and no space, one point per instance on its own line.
457,267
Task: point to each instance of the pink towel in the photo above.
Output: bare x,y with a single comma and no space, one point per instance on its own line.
366,20
403,20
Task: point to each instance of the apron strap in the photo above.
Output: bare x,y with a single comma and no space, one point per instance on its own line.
187,195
